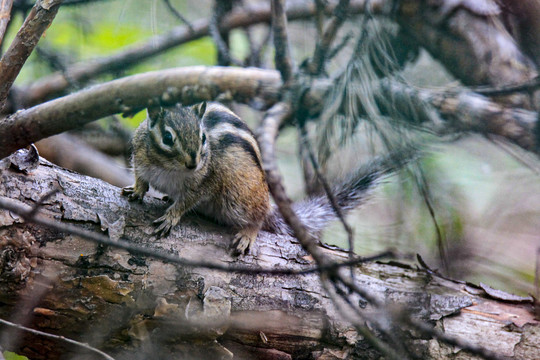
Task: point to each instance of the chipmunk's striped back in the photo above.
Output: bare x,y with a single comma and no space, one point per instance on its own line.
228,129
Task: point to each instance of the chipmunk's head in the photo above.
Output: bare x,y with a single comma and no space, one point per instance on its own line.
177,134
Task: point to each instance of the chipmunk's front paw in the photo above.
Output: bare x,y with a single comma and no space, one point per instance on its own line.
164,226
242,241
132,193
165,223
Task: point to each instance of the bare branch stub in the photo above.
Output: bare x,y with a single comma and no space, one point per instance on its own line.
5,17
281,40
37,21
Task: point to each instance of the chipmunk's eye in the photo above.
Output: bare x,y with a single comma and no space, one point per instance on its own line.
167,138
203,138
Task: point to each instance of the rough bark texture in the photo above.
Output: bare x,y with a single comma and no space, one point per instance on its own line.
469,39
141,308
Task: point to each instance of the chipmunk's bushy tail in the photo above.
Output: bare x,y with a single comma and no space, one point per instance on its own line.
316,212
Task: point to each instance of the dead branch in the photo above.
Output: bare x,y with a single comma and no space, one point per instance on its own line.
134,307
467,111
133,93
69,152
5,17
267,136
470,40
37,21
282,56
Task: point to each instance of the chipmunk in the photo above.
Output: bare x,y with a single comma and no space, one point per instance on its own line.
205,158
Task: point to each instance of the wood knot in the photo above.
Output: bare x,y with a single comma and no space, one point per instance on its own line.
14,265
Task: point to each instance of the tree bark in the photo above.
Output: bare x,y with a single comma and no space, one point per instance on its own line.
468,37
136,307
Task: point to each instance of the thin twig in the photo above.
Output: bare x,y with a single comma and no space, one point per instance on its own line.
281,41
537,280
255,51
39,19
220,37
329,193
318,60
25,211
363,330
268,132
57,337
527,86
424,189
40,202
5,17
343,42
178,15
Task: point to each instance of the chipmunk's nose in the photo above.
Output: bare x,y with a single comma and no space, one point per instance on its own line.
192,164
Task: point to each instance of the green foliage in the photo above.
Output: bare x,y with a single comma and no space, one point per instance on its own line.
103,39
8,355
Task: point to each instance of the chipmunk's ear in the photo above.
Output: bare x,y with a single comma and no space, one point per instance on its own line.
155,114
199,109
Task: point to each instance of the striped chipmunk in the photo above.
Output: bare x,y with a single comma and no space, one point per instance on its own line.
205,158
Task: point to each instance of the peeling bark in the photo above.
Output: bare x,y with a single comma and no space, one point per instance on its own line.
134,307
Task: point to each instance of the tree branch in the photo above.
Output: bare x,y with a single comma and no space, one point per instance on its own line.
133,93
281,41
56,337
69,152
39,19
323,46
464,109
137,305
268,132
260,13
5,17
469,111
470,41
